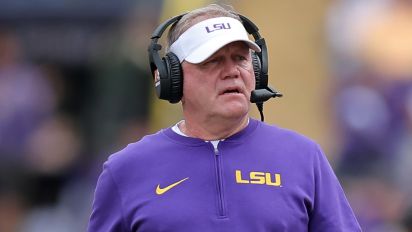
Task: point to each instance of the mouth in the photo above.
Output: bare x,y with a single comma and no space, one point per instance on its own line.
231,90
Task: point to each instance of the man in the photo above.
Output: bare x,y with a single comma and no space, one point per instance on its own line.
218,170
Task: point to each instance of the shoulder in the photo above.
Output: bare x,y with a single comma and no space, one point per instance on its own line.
284,136
138,151
286,144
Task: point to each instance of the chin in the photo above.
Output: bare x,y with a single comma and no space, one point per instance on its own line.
235,110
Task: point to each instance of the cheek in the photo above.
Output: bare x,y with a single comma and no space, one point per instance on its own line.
193,86
249,79
253,81
187,87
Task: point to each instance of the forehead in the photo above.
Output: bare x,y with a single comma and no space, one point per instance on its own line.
237,46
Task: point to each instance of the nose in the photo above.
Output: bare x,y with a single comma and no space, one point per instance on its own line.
230,69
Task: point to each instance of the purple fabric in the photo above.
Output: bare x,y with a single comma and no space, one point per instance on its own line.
306,196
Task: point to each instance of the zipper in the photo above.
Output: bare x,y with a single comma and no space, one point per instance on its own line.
219,182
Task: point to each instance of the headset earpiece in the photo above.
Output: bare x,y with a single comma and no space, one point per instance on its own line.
256,69
166,71
175,74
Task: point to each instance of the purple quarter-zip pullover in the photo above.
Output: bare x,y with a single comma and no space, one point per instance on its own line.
261,179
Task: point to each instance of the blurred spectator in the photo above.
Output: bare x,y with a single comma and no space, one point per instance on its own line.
121,104
54,147
371,49
26,101
74,86
38,148
26,98
123,85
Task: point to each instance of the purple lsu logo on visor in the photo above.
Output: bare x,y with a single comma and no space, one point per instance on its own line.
217,26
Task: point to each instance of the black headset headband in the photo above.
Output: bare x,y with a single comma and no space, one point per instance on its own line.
154,47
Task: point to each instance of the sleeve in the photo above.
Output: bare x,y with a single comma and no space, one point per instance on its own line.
107,215
331,210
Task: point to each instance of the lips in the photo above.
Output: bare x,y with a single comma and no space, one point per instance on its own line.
231,90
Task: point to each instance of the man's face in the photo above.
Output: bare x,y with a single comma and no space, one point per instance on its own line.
221,85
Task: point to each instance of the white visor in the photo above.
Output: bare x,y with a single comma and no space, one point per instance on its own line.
203,39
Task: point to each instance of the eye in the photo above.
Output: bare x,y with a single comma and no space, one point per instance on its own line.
214,60
211,61
242,58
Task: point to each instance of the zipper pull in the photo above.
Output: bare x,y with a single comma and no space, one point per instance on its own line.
216,150
215,144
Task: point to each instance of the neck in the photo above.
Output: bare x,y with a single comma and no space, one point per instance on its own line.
212,129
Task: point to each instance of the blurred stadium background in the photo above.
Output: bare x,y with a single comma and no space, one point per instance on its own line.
75,87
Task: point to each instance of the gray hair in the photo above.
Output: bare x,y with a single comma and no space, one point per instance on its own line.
198,15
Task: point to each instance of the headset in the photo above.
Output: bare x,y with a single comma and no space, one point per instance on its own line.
168,75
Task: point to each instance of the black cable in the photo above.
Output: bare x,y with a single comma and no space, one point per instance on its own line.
260,108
